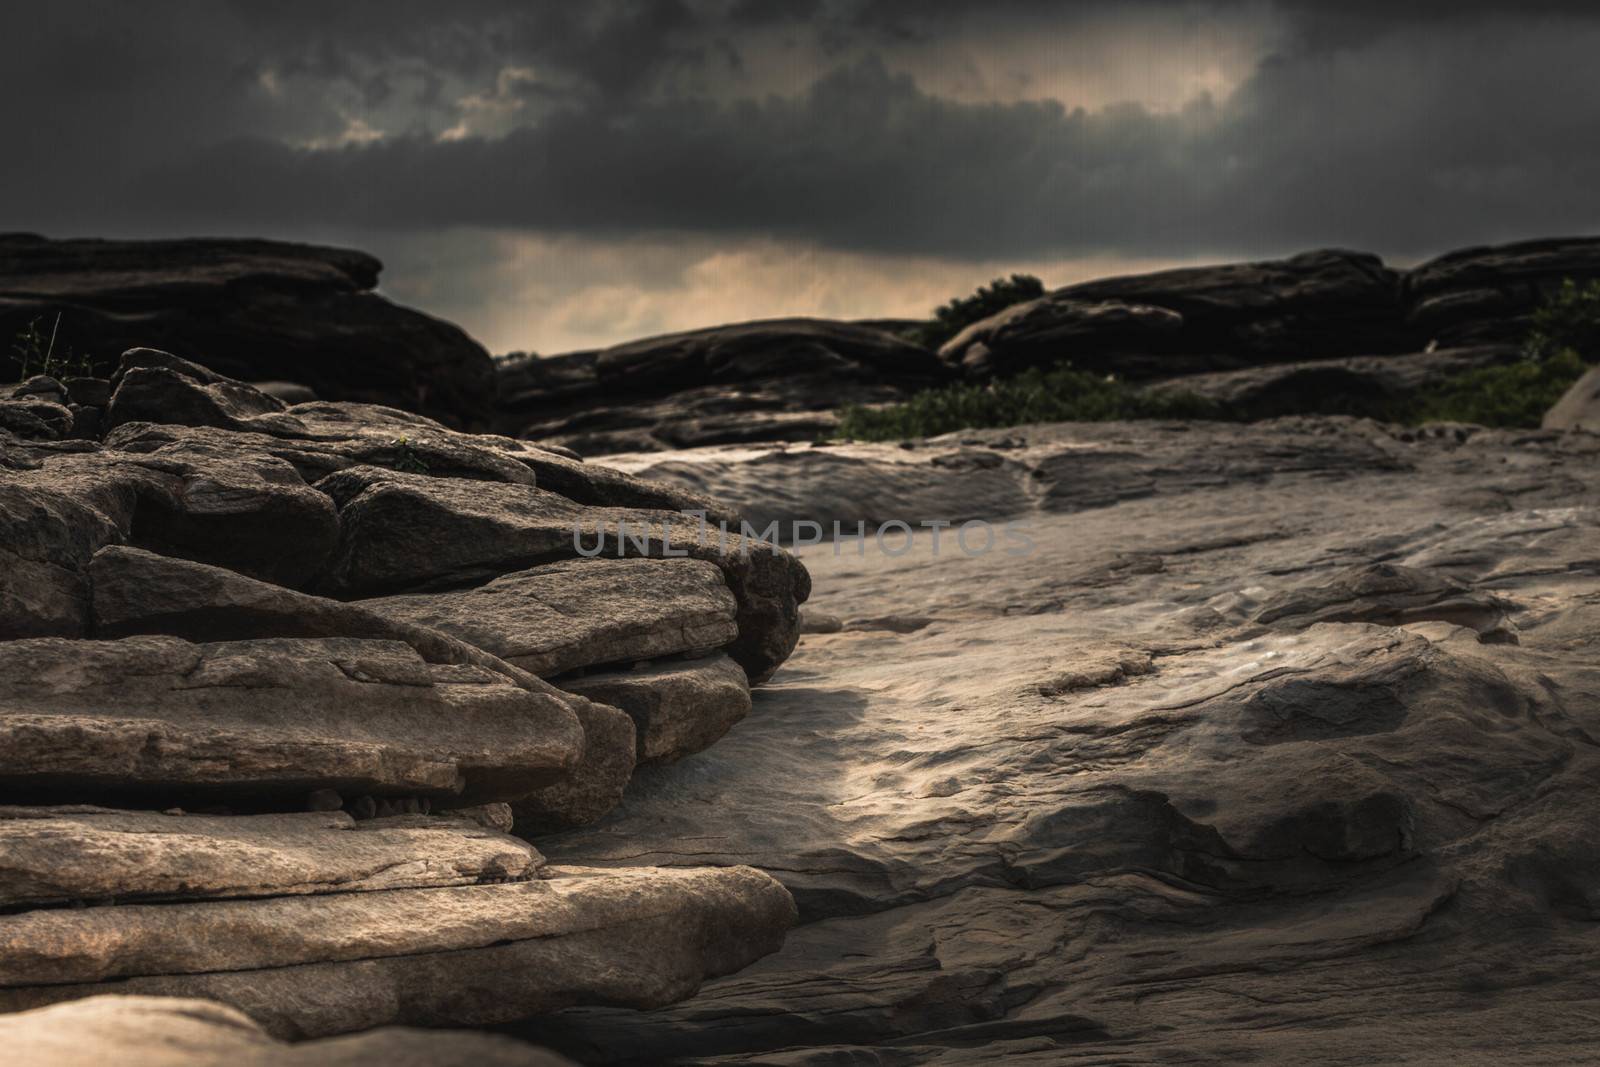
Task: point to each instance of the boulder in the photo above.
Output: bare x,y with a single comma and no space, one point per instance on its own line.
476,955
678,707
250,310
160,717
183,1032
578,613
1486,294
1579,406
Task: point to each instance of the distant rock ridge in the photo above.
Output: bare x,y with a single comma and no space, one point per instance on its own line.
781,380
249,309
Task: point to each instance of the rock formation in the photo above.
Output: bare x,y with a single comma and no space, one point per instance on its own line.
1270,322
251,310
754,381
275,680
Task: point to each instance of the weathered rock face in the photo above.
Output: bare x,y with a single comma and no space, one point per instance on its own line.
178,1032
250,310
771,380
1317,304
1273,746
1579,407
1479,295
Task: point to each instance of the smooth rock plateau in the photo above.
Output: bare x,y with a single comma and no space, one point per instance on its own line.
1277,747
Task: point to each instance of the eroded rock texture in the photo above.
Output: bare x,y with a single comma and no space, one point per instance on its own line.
1277,747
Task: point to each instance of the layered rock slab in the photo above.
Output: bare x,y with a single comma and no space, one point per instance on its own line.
678,707
178,1032
576,613
471,956
405,530
272,717
82,853
252,310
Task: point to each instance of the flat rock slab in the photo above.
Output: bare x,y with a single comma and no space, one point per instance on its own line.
679,707
82,853
403,533
272,717
576,613
306,967
179,1032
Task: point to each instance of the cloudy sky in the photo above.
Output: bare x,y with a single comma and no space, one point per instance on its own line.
557,174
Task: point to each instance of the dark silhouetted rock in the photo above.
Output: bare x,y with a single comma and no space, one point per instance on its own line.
250,310
1479,295
1380,387
769,380
475,955
1316,304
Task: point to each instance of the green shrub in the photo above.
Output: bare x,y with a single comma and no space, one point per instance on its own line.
1569,320
1515,395
953,317
1063,394
1563,340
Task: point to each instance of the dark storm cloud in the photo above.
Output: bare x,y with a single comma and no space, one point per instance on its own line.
1403,127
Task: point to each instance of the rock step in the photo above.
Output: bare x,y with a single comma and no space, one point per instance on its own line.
307,967
576,613
275,717
82,853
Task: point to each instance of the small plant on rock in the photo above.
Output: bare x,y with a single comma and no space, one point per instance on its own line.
956,315
407,458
